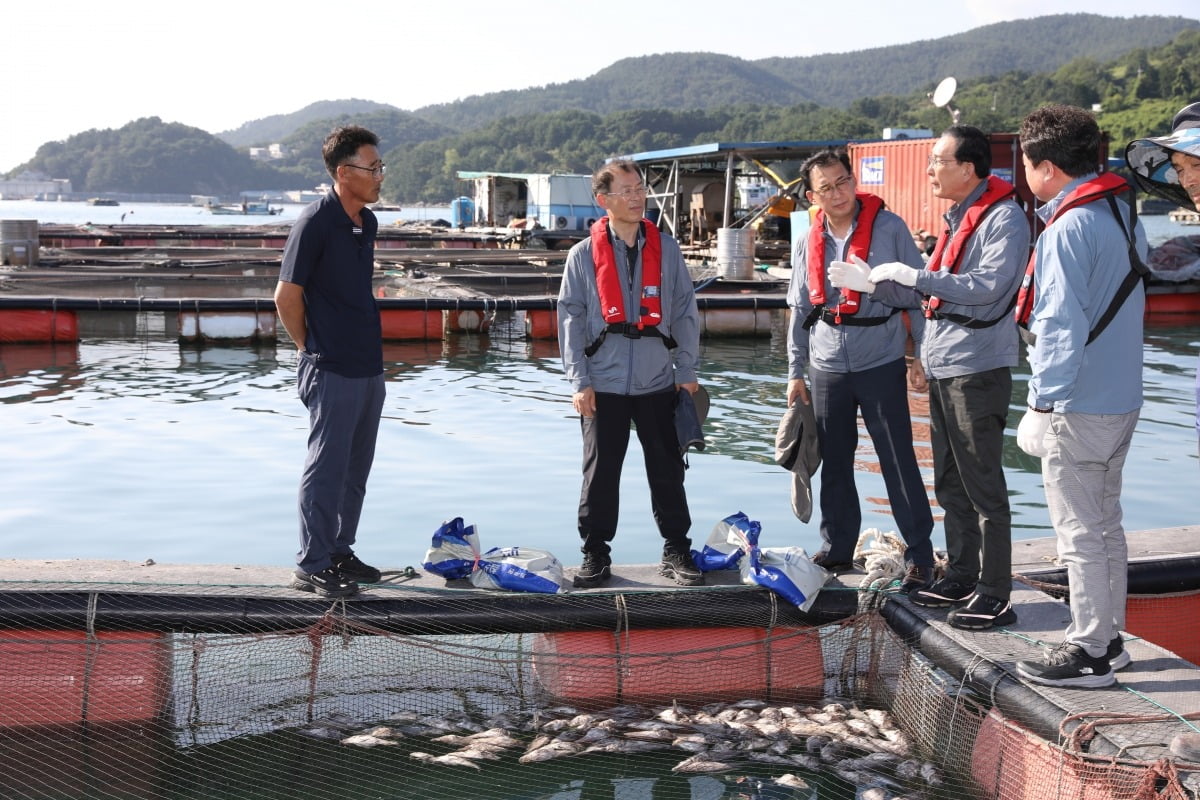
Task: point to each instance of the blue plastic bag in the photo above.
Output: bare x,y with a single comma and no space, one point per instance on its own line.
731,538
519,569
454,552
787,571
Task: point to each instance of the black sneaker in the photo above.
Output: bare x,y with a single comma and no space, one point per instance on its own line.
942,593
982,612
915,578
1068,665
352,568
326,583
1118,657
823,560
680,568
595,571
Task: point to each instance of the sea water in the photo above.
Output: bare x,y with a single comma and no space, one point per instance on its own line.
138,448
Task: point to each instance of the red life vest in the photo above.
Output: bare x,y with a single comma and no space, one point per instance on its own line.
860,245
1106,184
949,250
608,282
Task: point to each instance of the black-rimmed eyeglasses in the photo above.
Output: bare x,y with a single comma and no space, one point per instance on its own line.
376,172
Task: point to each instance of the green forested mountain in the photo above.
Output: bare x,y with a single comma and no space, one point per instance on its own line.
276,128
658,102
680,81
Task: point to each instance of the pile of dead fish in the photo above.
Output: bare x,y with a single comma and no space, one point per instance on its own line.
863,746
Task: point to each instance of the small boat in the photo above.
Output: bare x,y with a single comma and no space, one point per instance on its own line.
1183,216
102,201
243,208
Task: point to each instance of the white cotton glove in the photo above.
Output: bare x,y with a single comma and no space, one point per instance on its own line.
894,271
854,274
1031,433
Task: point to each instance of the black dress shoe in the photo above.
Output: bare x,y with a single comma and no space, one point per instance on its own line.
823,560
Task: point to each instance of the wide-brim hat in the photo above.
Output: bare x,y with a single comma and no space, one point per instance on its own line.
1150,159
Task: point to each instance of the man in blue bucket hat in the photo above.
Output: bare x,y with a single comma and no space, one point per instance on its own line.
1169,166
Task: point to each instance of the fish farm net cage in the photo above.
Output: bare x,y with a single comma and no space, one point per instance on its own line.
105,694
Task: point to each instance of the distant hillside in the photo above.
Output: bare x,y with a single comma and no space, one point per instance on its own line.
278,127
682,81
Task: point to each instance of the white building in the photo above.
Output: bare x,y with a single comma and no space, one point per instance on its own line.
34,186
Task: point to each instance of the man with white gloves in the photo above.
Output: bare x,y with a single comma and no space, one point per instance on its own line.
1085,392
852,347
970,344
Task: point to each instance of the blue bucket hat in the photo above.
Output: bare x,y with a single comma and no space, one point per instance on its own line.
1150,159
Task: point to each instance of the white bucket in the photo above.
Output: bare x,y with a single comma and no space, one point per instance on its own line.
735,253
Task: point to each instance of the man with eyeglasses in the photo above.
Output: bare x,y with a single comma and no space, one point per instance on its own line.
969,347
853,347
629,333
325,300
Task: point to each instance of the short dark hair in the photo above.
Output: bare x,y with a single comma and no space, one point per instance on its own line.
342,144
1066,136
602,178
971,147
823,158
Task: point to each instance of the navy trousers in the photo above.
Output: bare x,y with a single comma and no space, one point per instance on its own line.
881,394
343,416
605,441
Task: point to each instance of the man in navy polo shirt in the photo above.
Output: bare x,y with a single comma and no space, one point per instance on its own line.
326,304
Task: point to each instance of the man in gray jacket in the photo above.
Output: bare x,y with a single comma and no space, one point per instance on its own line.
629,332
969,347
852,345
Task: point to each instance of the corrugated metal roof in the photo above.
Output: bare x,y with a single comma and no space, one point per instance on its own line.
520,176
753,149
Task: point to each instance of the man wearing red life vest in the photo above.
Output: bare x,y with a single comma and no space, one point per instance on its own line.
852,346
1084,398
629,332
968,350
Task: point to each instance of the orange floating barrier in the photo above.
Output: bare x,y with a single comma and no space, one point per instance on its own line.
401,323
696,665
541,324
38,325
65,677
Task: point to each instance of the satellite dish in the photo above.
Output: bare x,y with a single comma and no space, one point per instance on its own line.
944,92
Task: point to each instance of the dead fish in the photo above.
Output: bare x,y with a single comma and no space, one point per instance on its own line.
750,703
626,746
674,715
874,793
477,754
336,720
660,735
322,733
652,725
806,761
701,763
556,749
496,737
367,740
815,744
931,774
539,741
693,743
595,736
792,781
453,760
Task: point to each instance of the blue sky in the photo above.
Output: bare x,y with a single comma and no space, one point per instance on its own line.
72,66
